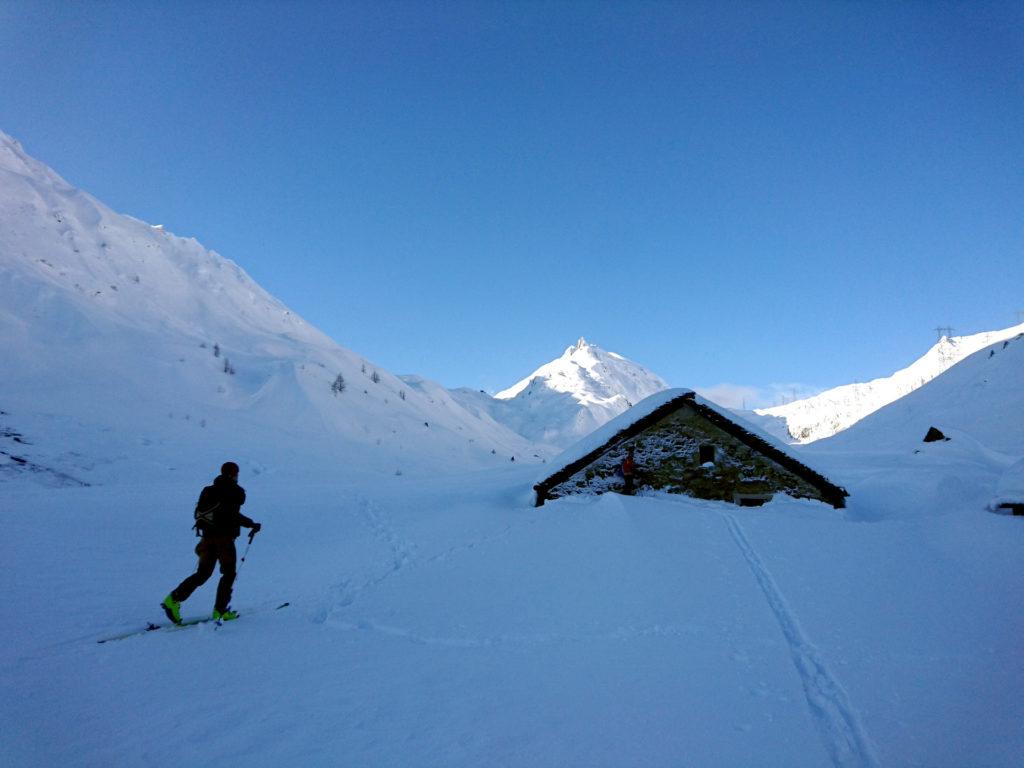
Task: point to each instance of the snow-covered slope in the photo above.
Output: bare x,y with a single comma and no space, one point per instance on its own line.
981,399
568,397
836,409
129,349
884,461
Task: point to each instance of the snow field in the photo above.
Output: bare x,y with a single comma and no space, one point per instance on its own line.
447,622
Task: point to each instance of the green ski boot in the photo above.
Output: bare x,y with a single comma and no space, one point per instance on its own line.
172,608
227,615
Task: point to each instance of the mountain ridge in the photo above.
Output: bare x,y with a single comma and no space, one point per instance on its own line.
158,354
834,410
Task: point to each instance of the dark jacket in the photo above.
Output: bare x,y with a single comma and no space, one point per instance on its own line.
225,497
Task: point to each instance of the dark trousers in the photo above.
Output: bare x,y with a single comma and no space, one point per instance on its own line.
211,550
628,485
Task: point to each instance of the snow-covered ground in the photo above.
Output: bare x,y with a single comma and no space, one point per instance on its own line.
450,623
444,621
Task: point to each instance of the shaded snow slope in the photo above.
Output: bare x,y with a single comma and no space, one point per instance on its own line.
568,397
129,349
837,409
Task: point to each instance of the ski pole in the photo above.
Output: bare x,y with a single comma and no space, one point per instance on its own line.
252,535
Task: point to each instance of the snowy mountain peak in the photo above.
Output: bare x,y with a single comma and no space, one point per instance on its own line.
574,394
584,354
579,346
590,374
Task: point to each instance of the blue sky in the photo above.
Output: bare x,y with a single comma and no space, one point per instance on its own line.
788,195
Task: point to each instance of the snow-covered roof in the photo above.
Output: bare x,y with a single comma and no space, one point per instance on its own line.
1011,486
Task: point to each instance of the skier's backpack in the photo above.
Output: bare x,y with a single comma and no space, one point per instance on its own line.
206,510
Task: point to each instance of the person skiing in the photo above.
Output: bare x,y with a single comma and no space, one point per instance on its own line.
628,468
218,522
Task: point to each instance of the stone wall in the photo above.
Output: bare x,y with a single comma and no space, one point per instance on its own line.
667,460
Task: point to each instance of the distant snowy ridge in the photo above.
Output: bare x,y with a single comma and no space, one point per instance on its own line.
569,397
837,409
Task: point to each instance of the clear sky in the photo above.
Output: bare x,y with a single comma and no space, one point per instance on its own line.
767,195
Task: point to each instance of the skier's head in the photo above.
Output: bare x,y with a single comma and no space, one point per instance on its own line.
229,469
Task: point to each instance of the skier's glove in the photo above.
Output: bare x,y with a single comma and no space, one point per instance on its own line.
256,528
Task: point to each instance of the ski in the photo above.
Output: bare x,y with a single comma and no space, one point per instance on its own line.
168,625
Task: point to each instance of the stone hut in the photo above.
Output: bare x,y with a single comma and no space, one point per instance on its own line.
687,445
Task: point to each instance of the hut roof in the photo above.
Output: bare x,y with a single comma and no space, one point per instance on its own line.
656,407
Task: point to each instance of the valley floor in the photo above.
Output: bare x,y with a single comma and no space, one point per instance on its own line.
450,623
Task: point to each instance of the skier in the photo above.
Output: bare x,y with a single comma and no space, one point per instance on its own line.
628,467
218,520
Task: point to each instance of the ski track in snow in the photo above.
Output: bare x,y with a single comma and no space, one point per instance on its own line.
403,551
843,736
401,554
471,545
